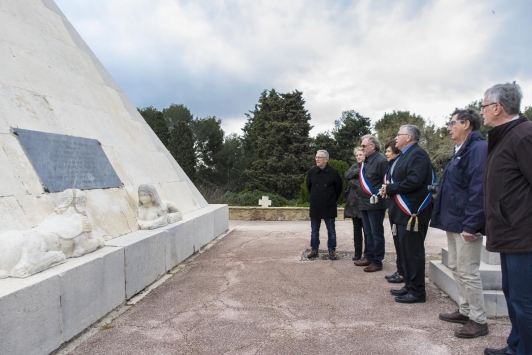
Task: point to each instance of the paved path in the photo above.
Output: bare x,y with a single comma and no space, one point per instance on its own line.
252,293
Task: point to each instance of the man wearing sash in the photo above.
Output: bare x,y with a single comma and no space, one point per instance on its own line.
459,211
508,207
372,207
410,210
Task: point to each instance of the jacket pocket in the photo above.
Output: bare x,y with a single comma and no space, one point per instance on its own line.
501,214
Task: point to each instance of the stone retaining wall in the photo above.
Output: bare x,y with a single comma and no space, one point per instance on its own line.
274,213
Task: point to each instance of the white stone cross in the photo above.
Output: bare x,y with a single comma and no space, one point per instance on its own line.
265,202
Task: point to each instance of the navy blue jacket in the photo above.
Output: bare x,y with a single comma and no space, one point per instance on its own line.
459,205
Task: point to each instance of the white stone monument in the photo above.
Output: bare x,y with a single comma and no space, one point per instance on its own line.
53,85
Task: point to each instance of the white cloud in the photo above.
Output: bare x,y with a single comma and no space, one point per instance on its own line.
217,56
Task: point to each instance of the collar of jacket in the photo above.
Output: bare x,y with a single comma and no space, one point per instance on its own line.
372,157
325,168
471,137
497,133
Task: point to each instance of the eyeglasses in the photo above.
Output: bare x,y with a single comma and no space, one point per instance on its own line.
364,146
482,107
321,157
452,123
402,134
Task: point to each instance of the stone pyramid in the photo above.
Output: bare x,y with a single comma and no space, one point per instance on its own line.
52,87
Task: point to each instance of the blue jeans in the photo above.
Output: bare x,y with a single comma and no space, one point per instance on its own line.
372,221
315,234
517,287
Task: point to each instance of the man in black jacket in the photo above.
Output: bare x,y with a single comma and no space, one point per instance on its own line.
372,207
508,207
410,210
324,185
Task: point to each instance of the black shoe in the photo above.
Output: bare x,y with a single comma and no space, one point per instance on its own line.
313,254
396,280
409,298
387,277
333,255
502,351
355,258
400,292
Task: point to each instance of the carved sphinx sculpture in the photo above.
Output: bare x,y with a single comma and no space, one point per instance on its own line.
152,211
65,233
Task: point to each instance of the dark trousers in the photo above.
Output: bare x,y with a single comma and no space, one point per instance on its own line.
315,233
359,238
412,245
517,287
374,230
398,259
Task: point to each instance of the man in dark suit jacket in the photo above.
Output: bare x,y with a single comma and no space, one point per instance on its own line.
324,185
410,210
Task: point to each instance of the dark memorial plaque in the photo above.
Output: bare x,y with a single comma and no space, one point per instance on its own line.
65,162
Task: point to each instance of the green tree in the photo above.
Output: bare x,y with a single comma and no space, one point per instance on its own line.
230,163
175,113
208,142
276,136
528,112
181,146
347,132
387,127
324,141
155,119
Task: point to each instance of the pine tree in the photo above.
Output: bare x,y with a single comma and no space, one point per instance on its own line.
276,137
181,146
347,132
155,119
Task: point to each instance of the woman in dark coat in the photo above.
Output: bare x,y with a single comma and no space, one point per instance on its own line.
392,152
351,203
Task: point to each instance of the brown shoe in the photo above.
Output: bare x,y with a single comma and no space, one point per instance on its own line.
372,268
472,330
362,262
455,317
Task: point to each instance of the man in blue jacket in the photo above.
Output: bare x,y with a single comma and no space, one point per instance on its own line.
459,211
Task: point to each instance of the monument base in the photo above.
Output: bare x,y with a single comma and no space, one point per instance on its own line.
490,273
39,313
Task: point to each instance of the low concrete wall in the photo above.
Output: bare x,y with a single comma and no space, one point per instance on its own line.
274,213
39,313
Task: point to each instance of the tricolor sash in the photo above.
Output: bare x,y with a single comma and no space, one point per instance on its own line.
366,186
404,205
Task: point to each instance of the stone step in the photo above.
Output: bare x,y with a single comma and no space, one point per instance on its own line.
442,276
489,257
490,274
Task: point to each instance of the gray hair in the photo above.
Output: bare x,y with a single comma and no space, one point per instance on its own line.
413,130
324,153
372,140
509,95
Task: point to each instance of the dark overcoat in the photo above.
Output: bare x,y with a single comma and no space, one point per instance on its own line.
508,188
351,201
324,187
412,174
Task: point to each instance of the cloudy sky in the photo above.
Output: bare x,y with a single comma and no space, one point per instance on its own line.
217,56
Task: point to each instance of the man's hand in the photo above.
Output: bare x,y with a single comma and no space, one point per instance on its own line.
468,237
382,191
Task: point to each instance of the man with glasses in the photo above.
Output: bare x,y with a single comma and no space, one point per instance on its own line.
459,210
324,185
371,206
410,210
508,207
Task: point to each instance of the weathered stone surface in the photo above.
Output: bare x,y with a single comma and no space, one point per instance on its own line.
145,258
274,213
179,242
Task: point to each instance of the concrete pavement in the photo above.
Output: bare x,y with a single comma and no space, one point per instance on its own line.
253,293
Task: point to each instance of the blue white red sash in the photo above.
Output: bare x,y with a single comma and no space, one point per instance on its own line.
404,205
364,183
